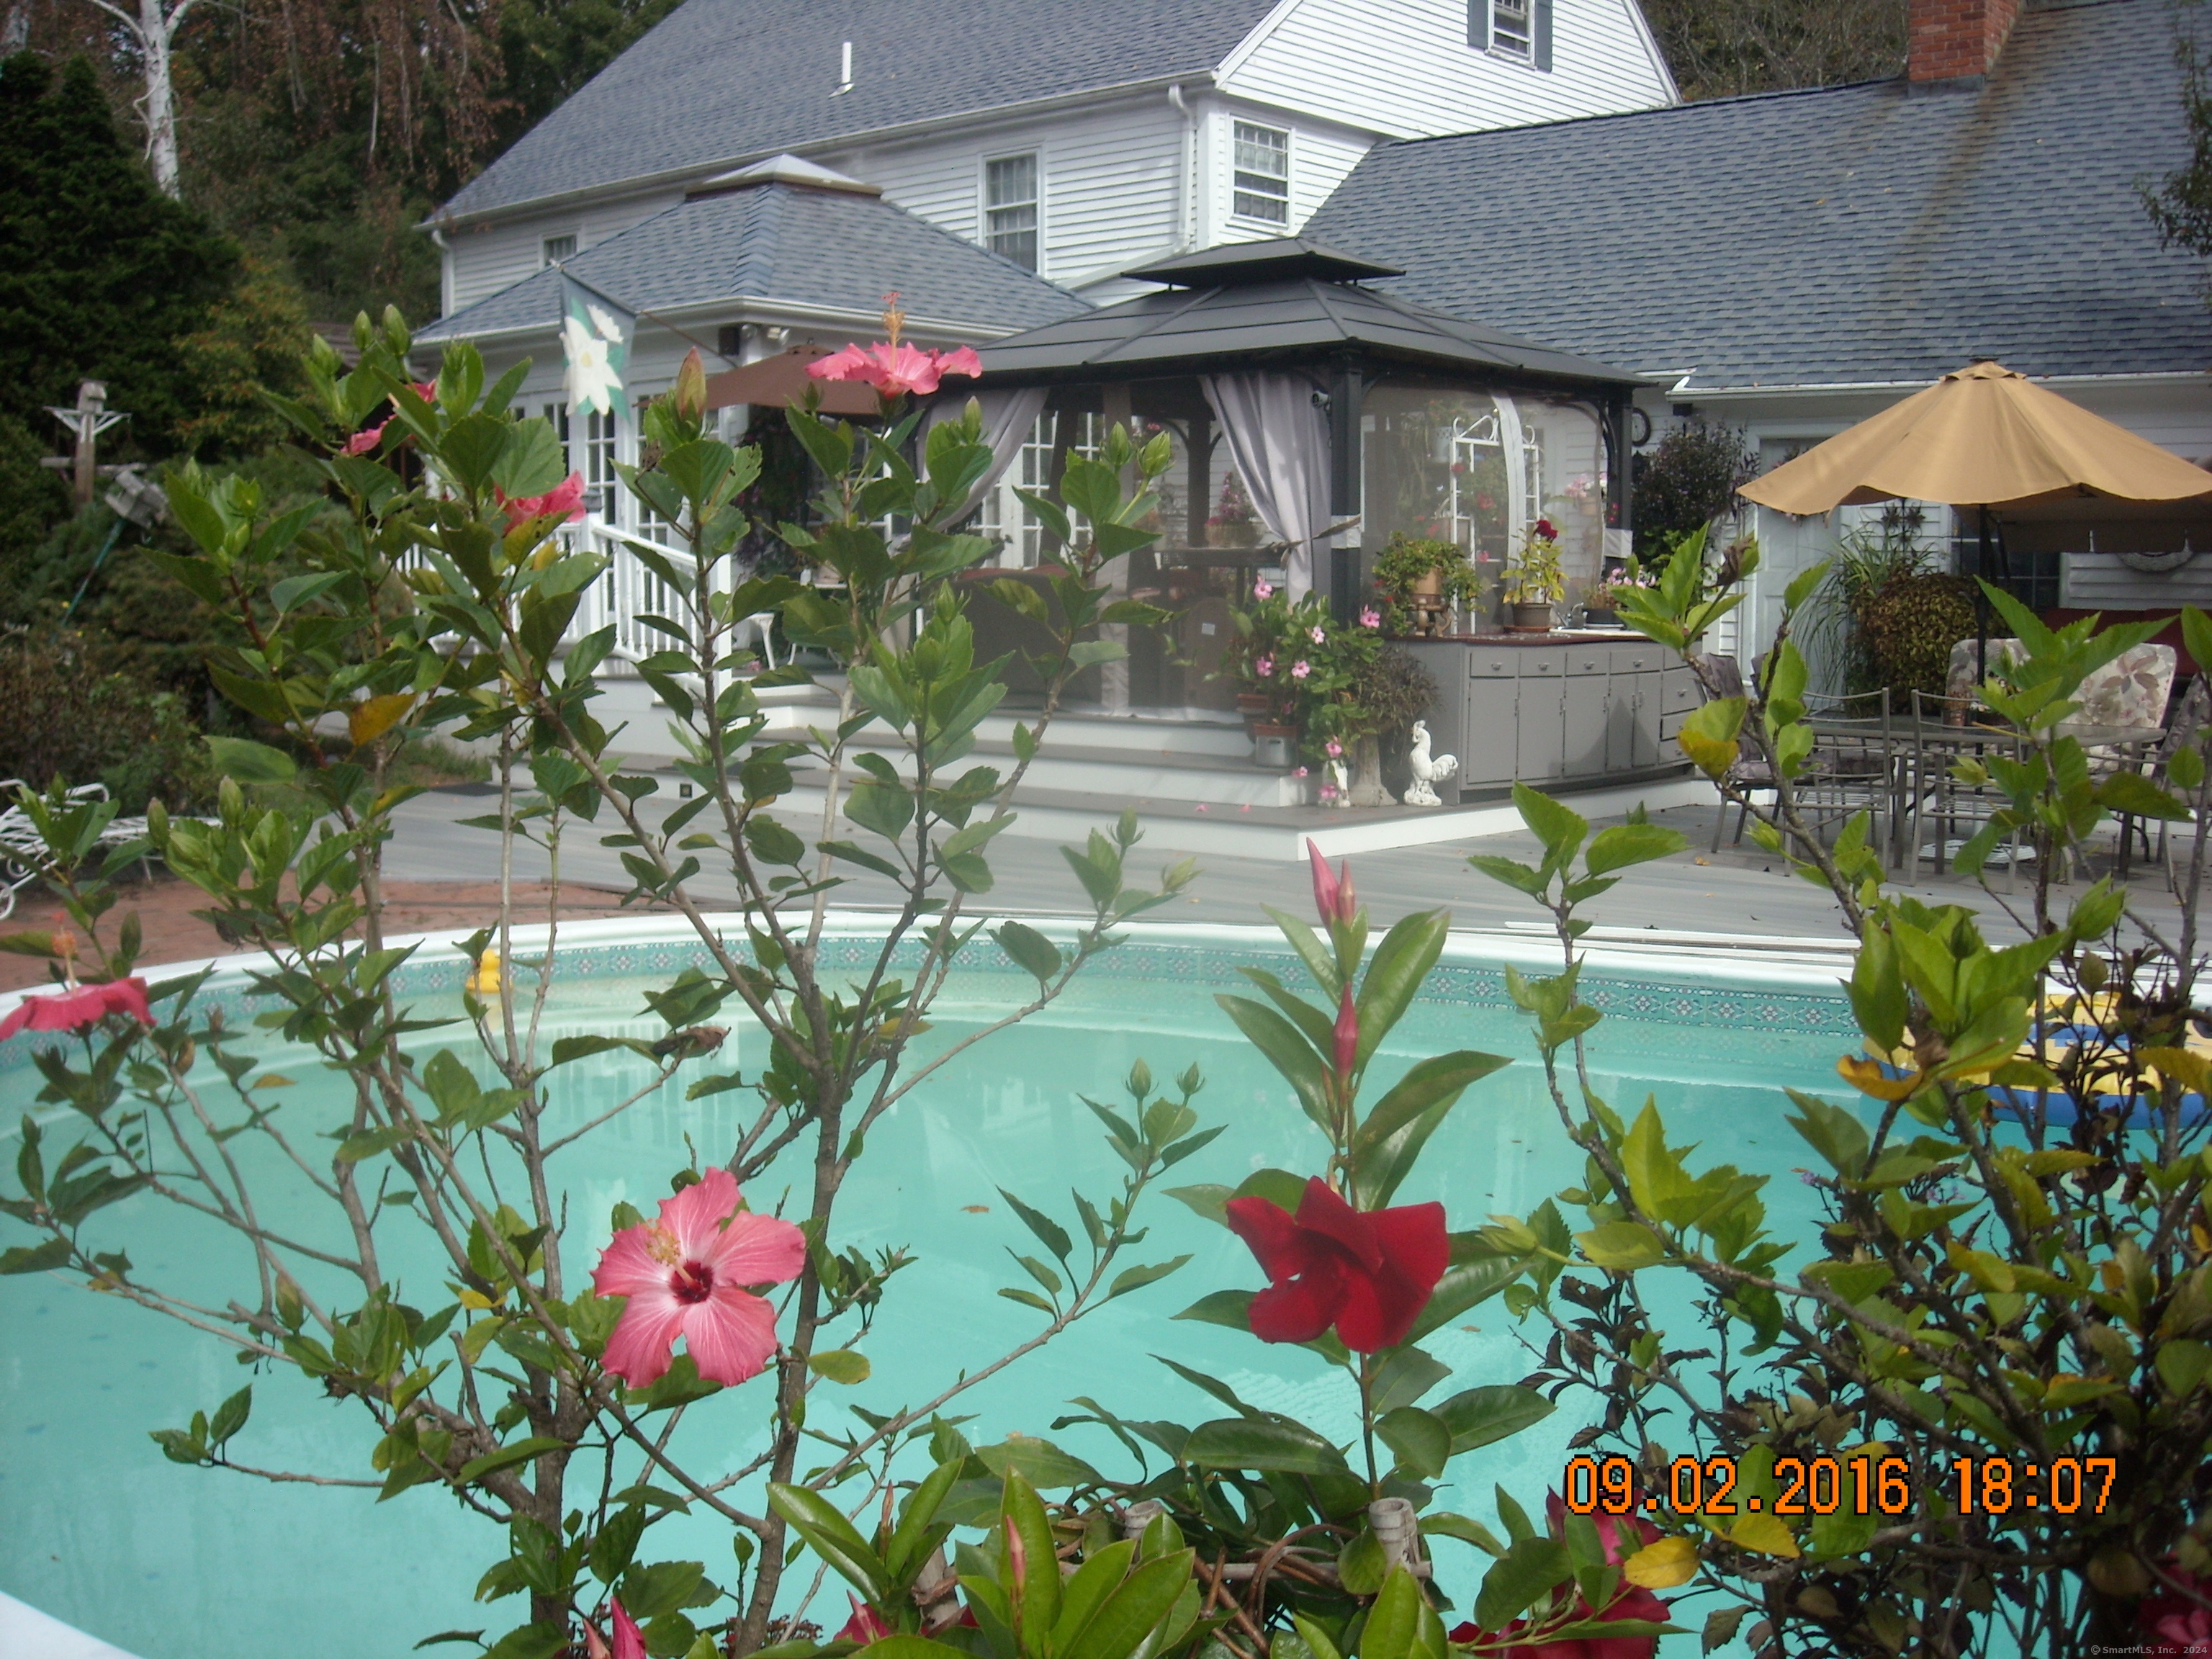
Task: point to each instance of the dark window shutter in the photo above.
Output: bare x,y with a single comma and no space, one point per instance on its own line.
1478,24
1540,28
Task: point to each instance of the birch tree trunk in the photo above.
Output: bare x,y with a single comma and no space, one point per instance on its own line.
155,31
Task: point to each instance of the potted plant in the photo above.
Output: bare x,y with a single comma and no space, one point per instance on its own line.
1535,580
1602,605
1233,523
1273,659
1423,580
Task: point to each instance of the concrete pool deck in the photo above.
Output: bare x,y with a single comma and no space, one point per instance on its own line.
27,1633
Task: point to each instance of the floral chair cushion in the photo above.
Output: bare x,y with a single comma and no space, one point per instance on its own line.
2130,691
1966,676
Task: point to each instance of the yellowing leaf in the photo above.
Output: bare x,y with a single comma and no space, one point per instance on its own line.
1662,1565
2189,1070
371,718
1764,1532
476,1299
1869,1078
1712,758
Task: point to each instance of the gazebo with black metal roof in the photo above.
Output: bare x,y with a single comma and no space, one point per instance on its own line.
1314,417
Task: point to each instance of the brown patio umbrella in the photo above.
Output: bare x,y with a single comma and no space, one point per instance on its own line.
780,380
1981,436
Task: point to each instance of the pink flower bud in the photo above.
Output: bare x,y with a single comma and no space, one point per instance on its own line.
1347,1035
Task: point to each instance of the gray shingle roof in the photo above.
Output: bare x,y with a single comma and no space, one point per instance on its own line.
1852,233
1248,311
833,250
723,79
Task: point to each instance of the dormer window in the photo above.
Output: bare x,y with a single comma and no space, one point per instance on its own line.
1010,208
558,248
1516,29
1263,173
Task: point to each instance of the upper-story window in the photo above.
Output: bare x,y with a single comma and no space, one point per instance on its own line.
558,248
1520,29
1010,208
1263,174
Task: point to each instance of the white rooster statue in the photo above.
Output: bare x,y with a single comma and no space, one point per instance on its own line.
1428,771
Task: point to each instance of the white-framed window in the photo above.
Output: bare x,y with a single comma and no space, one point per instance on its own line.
1011,202
555,249
1006,515
602,435
1263,173
1517,29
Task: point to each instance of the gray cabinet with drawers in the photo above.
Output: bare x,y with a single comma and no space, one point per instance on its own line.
1577,709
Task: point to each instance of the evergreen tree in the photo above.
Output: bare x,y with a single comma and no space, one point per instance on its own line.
104,274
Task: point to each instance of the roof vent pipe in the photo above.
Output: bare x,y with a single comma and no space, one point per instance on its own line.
844,71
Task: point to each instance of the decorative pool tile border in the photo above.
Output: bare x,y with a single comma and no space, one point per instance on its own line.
436,972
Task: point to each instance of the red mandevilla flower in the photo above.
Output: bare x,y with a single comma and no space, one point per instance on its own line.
1333,897
2171,1623
1369,1272
866,1626
1346,1034
629,1641
78,1007
685,1275
1546,529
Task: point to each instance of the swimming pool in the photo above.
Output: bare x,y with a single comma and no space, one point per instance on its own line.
175,1563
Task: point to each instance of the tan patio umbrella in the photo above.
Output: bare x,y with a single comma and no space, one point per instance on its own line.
1981,436
780,380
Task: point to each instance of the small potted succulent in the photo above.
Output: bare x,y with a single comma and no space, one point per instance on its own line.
1535,580
1233,523
1423,580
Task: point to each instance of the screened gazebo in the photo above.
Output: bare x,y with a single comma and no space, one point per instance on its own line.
1313,416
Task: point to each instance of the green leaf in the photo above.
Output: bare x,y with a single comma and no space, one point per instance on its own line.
1135,1279
1406,1376
1528,1571
1031,950
1145,1598
1236,1442
1559,828
831,1536
507,1457
1622,1245
1394,1622
35,1258
1440,1079
839,1366
1394,977
530,1642
1049,1232
1465,1285
1040,1462
251,763
1625,844
1288,1052
1422,1440
1480,1416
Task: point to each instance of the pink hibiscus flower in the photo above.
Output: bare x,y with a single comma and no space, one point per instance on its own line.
685,1276
78,1007
365,440
1300,670
894,368
1371,618
1319,635
1264,667
1263,590
565,501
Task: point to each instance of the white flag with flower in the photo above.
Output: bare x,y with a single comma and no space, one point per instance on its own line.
595,337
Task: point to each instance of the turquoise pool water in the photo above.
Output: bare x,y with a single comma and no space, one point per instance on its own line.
175,1563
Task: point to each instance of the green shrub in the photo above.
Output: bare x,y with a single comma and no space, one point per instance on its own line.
1909,625
79,710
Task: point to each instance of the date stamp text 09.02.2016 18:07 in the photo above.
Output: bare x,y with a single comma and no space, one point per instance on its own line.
1823,1485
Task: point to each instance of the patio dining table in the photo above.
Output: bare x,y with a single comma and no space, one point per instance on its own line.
1921,753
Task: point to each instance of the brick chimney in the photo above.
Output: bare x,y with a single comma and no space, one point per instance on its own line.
1956,40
